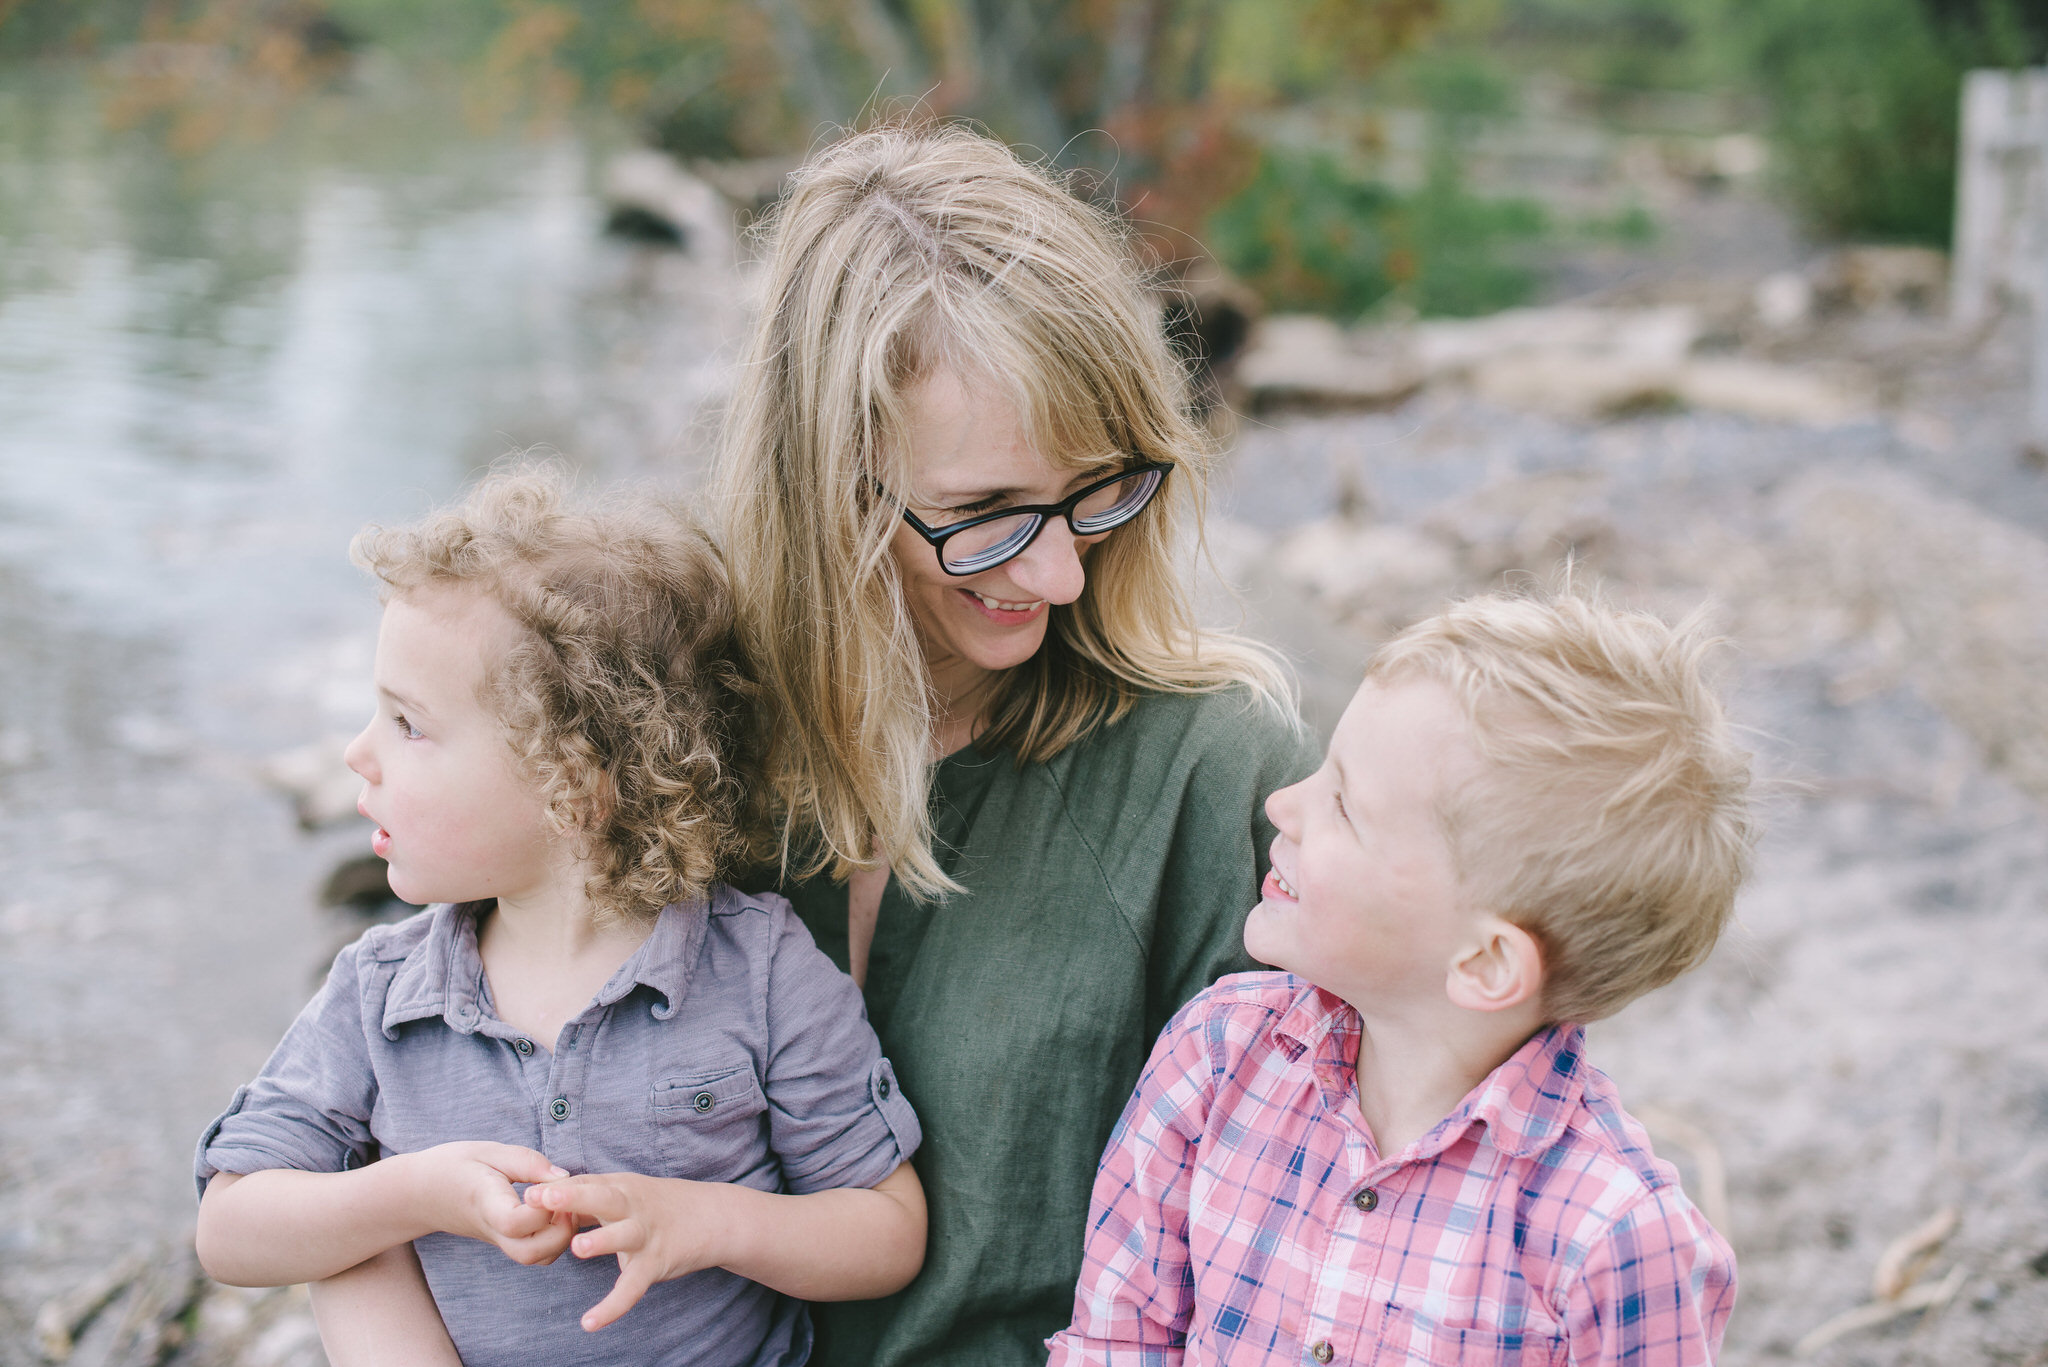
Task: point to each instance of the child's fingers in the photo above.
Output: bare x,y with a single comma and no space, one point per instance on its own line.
519,1164
591,1196
515,1220
623,1236
625,1294
537,1250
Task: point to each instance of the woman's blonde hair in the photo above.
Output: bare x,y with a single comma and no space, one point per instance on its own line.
898,252
624,696
1611,820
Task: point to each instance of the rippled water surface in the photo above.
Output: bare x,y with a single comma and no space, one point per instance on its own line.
214,368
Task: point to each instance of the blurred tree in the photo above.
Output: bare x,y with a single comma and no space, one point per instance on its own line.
1864,95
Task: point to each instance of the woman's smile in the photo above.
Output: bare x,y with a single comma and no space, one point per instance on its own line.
1001,612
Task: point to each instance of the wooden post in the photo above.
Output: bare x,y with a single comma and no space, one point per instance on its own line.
2001,228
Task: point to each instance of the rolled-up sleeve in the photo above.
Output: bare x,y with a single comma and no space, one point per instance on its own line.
1136,1293
1657,1289
836,1116
309,1108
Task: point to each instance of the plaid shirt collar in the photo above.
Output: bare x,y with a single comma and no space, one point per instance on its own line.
1524,1104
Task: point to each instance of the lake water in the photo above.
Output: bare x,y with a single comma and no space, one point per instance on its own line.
214,368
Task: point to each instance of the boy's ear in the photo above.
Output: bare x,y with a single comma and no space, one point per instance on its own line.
1500,967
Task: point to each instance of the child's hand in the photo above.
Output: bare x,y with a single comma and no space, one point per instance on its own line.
658,1226
470,1182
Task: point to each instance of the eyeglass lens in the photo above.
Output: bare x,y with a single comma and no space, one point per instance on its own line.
992,542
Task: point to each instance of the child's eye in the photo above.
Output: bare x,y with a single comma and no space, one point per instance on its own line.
406,728
1339,799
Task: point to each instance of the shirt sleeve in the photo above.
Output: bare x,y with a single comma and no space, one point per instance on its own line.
1137,1291
309,1108
1656,1290
835,1114
1220,846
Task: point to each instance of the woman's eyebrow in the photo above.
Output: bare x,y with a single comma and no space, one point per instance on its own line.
1075,481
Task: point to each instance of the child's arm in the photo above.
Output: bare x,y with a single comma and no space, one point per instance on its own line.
847,1244
380,1313
1657,1288
1137,1293
281,1225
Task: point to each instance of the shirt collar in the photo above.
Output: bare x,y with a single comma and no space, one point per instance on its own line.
1524,1104
443,975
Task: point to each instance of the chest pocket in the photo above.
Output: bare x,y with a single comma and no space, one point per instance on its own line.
710,1123
1407,1341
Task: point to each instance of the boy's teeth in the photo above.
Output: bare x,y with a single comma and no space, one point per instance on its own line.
989,602
1284,885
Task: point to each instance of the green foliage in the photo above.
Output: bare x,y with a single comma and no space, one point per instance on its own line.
1863,97
1309,236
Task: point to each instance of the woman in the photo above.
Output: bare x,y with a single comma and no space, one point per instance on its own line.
1018,791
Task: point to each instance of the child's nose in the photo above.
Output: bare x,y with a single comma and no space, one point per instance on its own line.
1281,806
358,757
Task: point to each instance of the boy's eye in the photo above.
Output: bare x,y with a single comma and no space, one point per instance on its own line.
1339,799
406,728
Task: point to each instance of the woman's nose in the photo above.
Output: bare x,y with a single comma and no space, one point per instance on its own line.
1050,567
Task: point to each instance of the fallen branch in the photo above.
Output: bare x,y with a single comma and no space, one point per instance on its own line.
63,1318
1924,1296
1907,1256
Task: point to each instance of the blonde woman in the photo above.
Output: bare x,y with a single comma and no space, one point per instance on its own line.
1018,790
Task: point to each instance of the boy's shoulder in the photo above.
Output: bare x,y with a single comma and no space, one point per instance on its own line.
396,941
1606,1129
1244,1014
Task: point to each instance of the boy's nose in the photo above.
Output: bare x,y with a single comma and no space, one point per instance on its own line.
358,758
1281,806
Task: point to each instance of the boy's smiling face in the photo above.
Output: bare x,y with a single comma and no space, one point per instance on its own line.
1363,898
456,819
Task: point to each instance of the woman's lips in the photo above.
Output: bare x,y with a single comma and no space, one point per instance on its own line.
1008,616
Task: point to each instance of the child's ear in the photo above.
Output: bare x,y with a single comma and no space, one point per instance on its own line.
1500,967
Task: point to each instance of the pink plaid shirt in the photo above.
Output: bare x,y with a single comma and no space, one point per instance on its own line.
1243,1215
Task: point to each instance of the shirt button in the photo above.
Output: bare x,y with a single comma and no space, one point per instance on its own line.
524,1046
1322,1352
559,1108
703,1101
883,1088
1366,1200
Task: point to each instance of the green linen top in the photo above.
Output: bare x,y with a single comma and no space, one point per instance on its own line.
1105,888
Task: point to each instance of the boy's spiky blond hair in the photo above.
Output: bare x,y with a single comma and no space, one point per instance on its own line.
1612,819
625,696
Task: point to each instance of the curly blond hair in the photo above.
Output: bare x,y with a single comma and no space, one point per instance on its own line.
1613,820
625,697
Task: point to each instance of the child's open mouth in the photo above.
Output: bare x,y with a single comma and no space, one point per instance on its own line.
1276,885
380,843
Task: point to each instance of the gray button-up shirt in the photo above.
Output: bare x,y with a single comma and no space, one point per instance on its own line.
727,1049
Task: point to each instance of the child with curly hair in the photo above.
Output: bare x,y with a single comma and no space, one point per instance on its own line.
563,763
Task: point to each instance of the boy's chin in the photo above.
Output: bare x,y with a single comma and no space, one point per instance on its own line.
1263,941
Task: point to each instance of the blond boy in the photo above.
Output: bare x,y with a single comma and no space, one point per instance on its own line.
1394,1150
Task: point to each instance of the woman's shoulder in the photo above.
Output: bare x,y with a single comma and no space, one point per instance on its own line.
1236,727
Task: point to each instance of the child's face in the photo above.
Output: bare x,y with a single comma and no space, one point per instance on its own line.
1363,898
456,820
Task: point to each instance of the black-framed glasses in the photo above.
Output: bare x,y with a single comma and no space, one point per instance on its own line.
981,543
